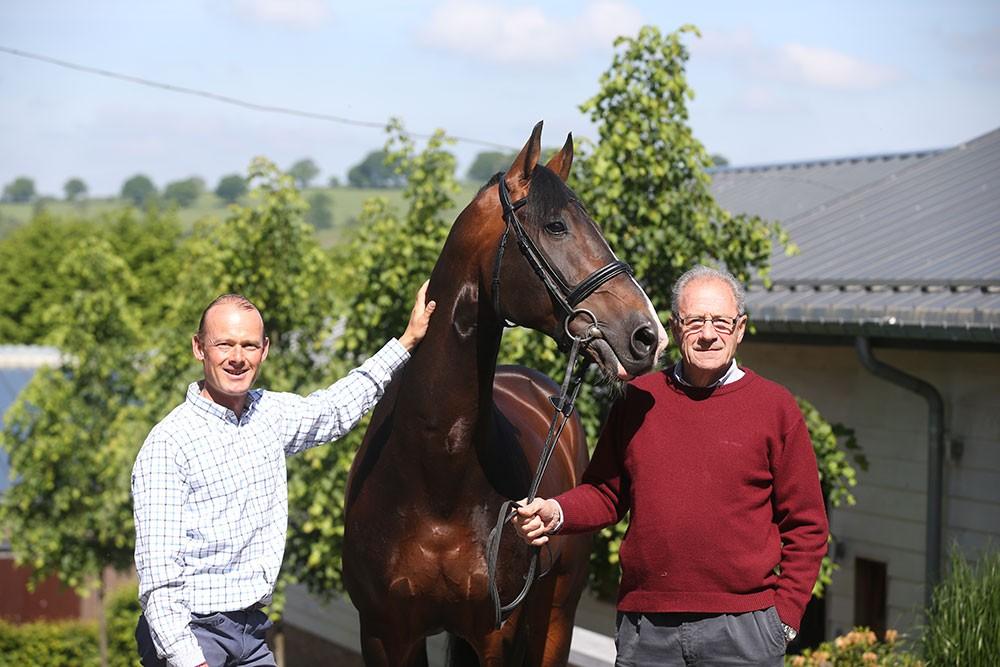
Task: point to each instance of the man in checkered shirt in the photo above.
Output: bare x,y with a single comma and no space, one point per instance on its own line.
210,490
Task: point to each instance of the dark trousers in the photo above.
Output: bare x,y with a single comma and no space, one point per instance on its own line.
751,638
227,639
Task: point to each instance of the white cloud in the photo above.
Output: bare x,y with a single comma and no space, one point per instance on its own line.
826,68
791,63
292,13
526,34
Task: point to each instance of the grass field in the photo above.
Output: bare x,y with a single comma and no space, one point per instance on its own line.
346,207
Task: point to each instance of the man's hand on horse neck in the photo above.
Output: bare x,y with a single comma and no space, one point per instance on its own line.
420,317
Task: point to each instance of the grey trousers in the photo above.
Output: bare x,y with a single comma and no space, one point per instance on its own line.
751,638
227,639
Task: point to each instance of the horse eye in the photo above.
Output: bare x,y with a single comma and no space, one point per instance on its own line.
556,227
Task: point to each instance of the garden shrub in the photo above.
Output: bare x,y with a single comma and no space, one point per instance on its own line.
858,648
74,643
49,643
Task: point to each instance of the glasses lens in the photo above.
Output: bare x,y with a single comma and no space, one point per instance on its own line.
722,325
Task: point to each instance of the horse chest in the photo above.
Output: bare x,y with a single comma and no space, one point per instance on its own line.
437,560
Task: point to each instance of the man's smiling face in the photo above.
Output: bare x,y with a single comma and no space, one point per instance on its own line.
231,347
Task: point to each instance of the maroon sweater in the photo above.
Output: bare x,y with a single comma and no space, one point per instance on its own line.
722,487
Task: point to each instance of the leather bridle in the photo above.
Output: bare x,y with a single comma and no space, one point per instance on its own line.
566,296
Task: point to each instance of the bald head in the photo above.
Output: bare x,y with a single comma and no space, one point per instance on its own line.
237,300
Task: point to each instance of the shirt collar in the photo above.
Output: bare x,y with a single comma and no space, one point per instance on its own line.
732,374
210,408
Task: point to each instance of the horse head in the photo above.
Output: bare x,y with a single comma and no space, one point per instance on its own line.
588,293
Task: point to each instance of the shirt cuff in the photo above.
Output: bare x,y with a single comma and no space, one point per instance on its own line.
188,657
559,521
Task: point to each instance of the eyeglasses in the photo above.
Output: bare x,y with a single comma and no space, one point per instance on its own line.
722,325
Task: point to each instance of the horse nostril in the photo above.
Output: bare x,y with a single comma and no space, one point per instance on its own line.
643,341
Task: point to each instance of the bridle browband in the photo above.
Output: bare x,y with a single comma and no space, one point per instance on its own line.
568,298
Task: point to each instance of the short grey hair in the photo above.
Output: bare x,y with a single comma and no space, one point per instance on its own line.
702,272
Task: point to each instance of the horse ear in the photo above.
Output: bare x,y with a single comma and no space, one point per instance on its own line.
520,170
563,160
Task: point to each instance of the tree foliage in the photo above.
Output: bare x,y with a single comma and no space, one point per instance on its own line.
231,188
68,511
29,256
375,172
320,213
184,192
487,163
139,190
303,172
19,191
75,189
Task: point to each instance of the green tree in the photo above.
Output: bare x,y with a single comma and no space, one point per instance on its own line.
75,189
231,188
719,160
320,214
375,172
19,191
29,255
303,172
487,163
333,182
68,511
184,192
139,190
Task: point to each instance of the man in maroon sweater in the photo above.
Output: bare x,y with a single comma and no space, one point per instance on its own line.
715,465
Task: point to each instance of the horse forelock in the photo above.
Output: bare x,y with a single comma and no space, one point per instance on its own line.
548,194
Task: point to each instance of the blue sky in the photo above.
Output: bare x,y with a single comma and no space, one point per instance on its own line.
775,81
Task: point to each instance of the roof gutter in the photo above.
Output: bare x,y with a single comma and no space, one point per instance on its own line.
935,455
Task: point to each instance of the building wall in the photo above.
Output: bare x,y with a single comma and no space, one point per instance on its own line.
888,522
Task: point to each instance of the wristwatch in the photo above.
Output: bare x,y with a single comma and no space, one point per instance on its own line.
790,633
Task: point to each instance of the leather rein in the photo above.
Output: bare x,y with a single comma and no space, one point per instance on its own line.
568,299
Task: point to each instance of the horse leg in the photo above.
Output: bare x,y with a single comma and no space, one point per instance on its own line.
383,649
551,621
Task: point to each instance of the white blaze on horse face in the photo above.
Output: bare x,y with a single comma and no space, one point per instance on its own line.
661,334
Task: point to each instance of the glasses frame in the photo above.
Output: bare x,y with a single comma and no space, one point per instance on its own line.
729,324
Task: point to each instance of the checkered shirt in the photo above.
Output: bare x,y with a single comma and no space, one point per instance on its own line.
211,499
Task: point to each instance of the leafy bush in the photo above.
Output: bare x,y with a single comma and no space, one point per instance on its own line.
123,613
963,623
858,648
58,644
74,643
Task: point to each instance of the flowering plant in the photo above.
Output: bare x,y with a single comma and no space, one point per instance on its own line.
858,648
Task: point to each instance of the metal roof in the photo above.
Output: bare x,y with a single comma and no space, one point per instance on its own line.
17,365
914,253
782,191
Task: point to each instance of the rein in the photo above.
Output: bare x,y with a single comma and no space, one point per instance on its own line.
568,299
564,409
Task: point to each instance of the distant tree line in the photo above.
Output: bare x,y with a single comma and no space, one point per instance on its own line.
373,172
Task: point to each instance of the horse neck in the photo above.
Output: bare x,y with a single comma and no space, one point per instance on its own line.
447,390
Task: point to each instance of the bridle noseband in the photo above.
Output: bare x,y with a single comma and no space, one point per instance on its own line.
567,297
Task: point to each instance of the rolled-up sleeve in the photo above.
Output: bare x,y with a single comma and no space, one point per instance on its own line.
331,413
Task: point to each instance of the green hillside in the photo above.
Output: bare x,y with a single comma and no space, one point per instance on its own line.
346,207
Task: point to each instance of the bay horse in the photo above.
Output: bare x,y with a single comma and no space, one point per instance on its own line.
454,437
